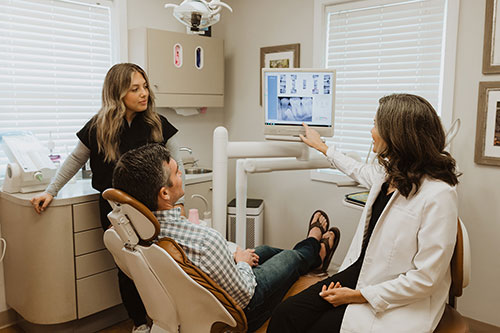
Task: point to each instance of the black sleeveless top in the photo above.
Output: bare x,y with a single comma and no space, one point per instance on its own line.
134,136
377,209
351,273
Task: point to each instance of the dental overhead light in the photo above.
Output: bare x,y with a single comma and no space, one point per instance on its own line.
198,14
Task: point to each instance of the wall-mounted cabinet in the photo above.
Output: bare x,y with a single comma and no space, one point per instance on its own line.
184,70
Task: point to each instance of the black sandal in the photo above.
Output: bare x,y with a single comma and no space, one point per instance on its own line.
329,251
317,223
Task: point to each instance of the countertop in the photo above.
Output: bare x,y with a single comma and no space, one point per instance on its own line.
82,191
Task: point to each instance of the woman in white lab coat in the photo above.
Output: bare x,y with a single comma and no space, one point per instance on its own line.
396,274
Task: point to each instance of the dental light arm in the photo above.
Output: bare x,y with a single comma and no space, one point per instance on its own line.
217,5
452,132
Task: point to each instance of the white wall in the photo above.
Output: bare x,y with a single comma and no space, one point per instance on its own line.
479,188
290,197
151,14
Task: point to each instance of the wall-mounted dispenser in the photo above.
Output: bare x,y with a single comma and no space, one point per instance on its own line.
184,70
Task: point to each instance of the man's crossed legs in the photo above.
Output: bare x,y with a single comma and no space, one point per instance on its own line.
279,269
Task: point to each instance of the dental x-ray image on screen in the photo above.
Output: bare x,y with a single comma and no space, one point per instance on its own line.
294,96
295,108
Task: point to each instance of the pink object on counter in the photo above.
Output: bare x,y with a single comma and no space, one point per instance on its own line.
194,216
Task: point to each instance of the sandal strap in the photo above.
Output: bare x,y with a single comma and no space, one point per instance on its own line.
330,250
326,241
317,224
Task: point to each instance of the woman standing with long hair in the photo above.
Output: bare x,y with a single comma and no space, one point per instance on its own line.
396,274
127,120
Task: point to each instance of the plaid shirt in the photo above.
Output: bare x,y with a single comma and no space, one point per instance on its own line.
208,250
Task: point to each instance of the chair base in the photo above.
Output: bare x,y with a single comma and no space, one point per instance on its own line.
452,322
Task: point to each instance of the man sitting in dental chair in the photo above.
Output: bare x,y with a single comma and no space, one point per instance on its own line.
257,278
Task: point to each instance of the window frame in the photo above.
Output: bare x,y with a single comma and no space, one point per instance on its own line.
448,59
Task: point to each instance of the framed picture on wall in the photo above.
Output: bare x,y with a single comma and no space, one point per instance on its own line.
491,48
487,149
280,56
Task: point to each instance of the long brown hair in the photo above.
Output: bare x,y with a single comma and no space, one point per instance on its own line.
109,120
415,142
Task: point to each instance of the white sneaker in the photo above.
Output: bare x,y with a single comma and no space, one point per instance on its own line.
141,329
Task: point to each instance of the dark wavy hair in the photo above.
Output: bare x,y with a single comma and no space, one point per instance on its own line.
415,142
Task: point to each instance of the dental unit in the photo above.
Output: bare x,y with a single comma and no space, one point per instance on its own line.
30,168
268,156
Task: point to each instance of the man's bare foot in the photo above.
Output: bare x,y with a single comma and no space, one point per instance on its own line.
316,231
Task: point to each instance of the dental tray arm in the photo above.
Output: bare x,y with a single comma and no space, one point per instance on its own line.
30,168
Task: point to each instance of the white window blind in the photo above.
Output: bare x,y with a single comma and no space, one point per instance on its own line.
379,48
53,59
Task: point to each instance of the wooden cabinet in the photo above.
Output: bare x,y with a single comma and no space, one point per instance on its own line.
184,70
39,267
56,266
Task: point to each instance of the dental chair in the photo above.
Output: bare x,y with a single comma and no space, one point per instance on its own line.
174,300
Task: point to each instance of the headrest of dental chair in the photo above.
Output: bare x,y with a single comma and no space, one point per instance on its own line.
128,212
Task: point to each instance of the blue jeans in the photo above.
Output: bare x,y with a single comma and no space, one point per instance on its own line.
277,270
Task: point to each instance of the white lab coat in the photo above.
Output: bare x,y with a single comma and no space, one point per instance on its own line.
405,275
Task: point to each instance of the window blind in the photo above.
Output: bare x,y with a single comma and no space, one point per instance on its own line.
379,48
53,59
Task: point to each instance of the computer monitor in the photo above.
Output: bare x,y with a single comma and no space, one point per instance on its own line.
293,96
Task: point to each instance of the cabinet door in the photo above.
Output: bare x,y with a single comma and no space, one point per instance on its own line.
93,263
166,78
39,262
204,189
97,292
89,241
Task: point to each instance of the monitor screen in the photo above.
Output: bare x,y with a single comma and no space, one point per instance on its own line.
293,96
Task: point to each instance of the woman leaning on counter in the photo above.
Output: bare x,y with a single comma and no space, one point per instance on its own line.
126,120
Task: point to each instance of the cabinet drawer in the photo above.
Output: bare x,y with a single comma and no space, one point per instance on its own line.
94,263
86,216
97,292
89,241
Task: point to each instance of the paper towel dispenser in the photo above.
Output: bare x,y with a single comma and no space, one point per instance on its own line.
184,70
